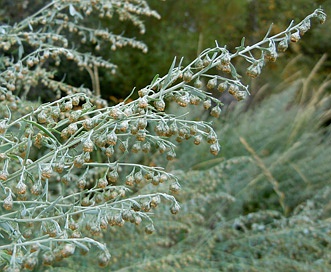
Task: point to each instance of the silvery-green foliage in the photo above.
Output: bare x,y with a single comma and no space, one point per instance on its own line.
71,168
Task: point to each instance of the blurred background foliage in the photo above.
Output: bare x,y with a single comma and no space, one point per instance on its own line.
265,203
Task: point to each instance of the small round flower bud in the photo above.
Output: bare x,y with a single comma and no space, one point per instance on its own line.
88,146
142,123
143,102
222,87
146,206
197,139
194,100
42,117
4,175
3,126
30,262
79,161
156,180
66,179
159,105
58,167
88,124
187,76
198,83
46,172
123,126
111,138
48,258
67,106
137,219
215,111
233,89
103,260
156,200
115,113
129,180
253,71
226,68
321,18
271,55
143,92
175,208
21,188
283,45
174,187
295,37
207,104
36,189
214,149
163,178
81,183
171,155
102,183
141,135
75,101
199,63
72,128
212,83
173,128
138,177
162,147
146,147
240,95
8,202
68,250
149,229
211,138
183,100
113,176
226,58
136,147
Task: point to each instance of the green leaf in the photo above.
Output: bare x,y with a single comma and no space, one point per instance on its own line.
168,78
234,73
47,132
74,12
154,79
20,51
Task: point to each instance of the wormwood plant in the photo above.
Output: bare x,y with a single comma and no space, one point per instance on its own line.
73,167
